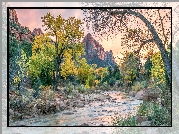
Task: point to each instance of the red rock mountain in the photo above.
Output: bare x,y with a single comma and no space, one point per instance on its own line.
95,53
21,32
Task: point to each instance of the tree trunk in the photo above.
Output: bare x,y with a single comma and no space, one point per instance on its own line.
57,74
157,40
56,66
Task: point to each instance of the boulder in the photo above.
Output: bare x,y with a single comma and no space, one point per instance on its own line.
148,95
84,124
11,112
132,93
141,119
139,95
146,123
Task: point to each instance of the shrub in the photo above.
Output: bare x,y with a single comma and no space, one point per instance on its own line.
69,88
139,85
144,84
157,114
81,88
119,83
111,81
130,121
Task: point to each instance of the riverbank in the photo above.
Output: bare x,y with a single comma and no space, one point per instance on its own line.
94,109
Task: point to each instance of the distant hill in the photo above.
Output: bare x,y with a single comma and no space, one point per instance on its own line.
95,53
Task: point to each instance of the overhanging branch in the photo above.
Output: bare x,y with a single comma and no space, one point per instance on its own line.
143,43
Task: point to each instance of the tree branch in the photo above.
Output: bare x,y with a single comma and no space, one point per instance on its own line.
161,20
143,43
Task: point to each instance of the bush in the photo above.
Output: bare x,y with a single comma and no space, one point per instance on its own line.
157,114
69,88
144,84
46,93
130,121
81,89
119,83
139,85
111,81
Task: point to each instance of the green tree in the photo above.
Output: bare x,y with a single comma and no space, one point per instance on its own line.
148,67
41,64
14,57
116,73
147,34
86,73
158,72
27,48
67,33
129,68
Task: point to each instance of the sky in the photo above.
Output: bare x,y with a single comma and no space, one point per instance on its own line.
32,19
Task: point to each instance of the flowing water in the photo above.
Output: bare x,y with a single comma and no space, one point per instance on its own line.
99,112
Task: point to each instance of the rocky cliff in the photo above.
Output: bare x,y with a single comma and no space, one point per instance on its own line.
95,53
21,32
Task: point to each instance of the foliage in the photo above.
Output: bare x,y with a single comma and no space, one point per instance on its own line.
157,114
111,81
129,68
69,67
158,73
81,88
139,85
129,121
101,73
27,48
46,93
116,73
14,55
148,67
146,36
119,83
67,34
86,73
41,64
111,75
69,88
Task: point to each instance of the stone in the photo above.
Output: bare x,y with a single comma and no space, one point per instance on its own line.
124,103
139,95
84,124
11,112
123,97
20,123
148,95
146,123
132,93
141,119
68,113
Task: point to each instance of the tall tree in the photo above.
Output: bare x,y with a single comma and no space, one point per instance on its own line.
41,63
129,68
155,22
67,33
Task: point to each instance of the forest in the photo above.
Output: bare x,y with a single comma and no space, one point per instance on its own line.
49,74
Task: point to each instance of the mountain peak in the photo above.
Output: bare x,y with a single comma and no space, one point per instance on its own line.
95,53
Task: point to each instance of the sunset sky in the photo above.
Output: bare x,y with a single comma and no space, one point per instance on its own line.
32,19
